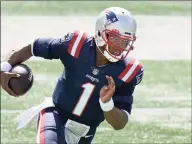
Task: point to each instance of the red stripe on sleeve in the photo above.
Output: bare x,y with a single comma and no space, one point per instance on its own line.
134,73
80,45
76,33
129,65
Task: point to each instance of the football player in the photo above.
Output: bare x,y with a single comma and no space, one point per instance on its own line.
97,83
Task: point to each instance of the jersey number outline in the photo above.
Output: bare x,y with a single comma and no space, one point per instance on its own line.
88,89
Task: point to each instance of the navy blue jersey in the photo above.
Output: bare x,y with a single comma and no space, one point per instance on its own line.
78,87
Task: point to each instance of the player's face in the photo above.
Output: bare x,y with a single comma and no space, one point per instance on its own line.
117,43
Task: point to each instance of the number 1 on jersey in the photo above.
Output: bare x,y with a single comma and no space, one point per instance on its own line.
84,98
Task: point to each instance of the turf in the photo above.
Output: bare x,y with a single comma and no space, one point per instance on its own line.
154,120
135,132
93,7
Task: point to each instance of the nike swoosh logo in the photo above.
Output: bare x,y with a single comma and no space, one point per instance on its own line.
88,136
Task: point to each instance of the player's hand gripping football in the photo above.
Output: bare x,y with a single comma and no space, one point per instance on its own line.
5,77
107,92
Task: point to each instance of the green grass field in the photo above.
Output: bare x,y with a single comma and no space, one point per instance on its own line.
161,111
93,7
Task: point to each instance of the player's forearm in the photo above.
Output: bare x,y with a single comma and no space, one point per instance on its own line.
116,118
19,55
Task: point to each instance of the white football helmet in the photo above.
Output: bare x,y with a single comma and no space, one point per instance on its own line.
115,27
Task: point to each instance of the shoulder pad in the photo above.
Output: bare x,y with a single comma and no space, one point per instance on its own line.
132,69
77,39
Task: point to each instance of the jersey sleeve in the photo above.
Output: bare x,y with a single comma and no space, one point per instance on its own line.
133,72
123,97
138,77
55,48
50,48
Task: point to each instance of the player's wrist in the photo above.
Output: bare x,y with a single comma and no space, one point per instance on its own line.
5,66
106,106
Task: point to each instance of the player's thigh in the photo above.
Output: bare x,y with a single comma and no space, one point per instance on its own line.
50,127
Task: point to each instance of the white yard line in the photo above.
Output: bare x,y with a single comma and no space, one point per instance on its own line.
103,129
165,117
43,77
172,98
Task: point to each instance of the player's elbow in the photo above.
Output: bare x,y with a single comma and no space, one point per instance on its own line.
118,124
118,127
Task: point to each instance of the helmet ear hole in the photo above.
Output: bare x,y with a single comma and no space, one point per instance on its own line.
99,34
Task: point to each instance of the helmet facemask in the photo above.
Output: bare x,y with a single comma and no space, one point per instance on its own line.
117,45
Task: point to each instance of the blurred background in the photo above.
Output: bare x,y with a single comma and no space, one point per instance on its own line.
162,102
162,25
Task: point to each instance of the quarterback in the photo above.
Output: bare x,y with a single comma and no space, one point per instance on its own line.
97,83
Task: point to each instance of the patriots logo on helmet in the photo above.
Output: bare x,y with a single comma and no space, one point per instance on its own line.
111,17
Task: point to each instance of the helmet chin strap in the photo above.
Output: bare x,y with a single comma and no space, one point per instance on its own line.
109,57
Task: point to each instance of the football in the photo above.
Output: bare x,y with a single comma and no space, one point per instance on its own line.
22,84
